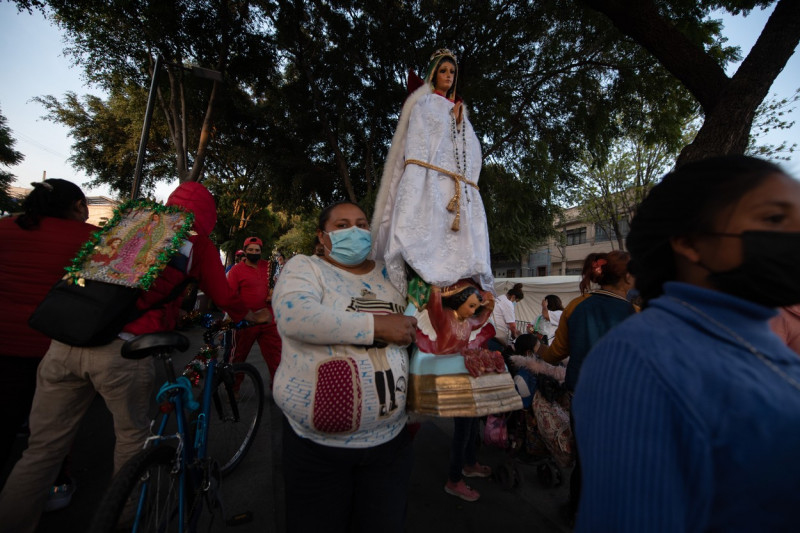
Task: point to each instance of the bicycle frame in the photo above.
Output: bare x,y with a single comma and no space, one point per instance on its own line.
195,464
188,454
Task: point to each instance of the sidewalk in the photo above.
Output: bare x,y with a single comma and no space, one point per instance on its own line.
257,484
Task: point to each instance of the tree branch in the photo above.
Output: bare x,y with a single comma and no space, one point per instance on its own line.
688,62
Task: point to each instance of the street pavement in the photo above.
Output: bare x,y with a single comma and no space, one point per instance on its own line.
254,491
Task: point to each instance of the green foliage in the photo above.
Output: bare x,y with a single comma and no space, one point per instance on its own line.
519,208
773,114
612,188
313,90
8,157
106,134
301,238
117,42
235,179
689,45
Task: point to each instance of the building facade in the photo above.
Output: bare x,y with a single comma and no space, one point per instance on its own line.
563,255
101,208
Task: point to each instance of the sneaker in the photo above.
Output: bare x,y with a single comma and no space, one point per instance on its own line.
461,490
59,497
476,470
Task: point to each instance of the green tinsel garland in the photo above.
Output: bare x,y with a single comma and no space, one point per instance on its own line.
73,271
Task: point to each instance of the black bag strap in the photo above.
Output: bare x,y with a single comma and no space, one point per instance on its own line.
176,291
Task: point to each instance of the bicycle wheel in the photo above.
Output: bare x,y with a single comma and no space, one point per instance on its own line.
148,482
236,409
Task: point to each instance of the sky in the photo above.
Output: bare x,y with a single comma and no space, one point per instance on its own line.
33,64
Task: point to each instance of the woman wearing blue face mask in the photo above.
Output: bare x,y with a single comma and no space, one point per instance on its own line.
688,414
342,383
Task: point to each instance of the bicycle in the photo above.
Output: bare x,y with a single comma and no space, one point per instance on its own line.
167,486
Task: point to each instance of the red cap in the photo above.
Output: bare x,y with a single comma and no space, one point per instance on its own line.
240,252
253,240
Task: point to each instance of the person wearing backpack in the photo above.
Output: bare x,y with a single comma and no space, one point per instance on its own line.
35,246
70,376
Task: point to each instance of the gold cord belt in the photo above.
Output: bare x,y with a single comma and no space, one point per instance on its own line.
454,206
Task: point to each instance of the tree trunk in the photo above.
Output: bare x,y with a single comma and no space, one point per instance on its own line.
729,104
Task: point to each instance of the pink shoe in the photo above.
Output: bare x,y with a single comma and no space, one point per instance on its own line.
476,470
461,490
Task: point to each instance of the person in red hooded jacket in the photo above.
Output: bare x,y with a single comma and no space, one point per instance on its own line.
69,376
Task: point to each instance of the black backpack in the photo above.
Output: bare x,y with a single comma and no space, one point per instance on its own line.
97,296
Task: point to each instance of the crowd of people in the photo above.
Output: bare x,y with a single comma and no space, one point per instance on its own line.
685,409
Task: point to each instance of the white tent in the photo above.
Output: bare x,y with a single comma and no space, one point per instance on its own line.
535,289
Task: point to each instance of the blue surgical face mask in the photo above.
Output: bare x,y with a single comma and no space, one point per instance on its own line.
350,246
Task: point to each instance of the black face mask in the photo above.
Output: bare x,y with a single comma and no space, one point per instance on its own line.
253,258
770,271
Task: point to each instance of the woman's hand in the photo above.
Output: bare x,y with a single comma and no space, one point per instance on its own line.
395,329
545,311
261,316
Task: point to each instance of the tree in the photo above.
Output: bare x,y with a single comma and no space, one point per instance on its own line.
236,176
670,31
8,157
611,194
319,85
302,237
613,187
117,43
542,81
106,134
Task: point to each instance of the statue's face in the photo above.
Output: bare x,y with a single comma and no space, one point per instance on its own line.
445,75
468,308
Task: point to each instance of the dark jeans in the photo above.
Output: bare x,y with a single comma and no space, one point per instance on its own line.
17,385
346,489
465,445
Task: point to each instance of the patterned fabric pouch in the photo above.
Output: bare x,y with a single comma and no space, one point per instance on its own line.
337,396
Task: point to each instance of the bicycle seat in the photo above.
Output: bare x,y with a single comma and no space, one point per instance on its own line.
154,343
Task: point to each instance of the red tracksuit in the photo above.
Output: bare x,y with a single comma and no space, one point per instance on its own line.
252,285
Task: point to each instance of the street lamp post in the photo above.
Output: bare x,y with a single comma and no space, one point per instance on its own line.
148,116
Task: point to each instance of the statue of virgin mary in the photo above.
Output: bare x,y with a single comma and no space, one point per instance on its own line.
429,214
430,226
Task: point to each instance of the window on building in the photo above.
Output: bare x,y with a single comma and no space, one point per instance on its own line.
576,236
606,233
541,271
511,273
574,271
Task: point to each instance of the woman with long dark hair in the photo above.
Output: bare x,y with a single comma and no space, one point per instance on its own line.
688,414
35,247
584,321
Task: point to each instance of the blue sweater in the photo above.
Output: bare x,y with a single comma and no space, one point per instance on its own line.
681,428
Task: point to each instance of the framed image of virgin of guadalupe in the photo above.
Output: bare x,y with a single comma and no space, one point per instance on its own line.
134,246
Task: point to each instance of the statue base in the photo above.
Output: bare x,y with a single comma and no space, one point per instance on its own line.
440,385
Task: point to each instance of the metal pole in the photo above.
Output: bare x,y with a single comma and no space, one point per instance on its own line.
151,101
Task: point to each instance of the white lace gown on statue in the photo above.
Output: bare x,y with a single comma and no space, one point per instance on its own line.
411,222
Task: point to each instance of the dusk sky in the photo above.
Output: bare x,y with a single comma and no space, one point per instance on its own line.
33,64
